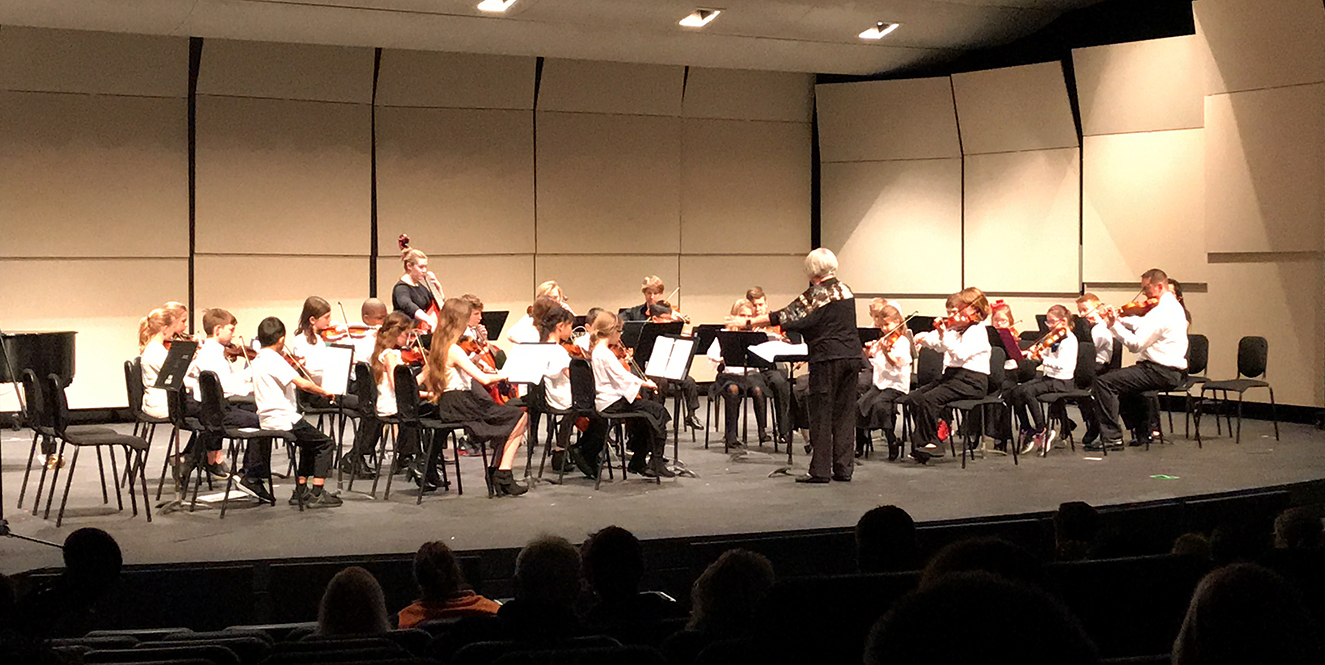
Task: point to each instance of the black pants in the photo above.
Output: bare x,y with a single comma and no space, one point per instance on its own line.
780,389
689,390
366,436
927,401
647,434
316,450
1120,391
735,386
832,412
877,409
1025,403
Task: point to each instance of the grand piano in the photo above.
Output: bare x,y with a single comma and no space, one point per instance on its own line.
42,352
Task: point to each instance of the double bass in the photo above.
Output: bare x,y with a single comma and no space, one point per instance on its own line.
434,309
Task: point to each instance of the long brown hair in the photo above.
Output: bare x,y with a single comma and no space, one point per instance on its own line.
451,325
396,323
314,308
603,326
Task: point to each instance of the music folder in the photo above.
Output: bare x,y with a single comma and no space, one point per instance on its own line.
178,358
337,361
670,358
528,362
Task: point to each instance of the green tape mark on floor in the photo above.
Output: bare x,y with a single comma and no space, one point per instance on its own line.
1160,476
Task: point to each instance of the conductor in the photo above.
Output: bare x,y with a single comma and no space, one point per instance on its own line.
825,314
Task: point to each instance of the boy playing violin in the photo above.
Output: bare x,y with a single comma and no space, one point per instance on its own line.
963,339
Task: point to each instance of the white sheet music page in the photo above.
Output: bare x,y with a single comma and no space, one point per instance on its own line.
676,362
336,361
774,348
527,363
657,365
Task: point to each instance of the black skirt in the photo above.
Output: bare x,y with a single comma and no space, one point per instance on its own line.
484,420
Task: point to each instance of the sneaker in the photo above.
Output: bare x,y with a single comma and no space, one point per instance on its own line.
300,495
1047,441
321,498
257,489
219,471
1030,440
944,431
54,462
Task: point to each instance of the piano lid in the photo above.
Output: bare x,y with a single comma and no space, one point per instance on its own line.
44,352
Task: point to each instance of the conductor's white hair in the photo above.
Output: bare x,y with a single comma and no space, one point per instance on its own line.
821,263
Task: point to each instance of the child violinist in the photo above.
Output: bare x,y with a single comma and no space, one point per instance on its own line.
1057,352
963,339
617,391
890,364
237,386
557,327
391,338
1090,308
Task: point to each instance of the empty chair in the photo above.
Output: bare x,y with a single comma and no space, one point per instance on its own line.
158,651
1252,352
35,414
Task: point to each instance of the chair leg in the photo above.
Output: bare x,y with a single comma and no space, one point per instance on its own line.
115,475
230,481
1238,437
1274,414
27,470
459,477
428,450
68,481
55,479
129,469
101,471
388,432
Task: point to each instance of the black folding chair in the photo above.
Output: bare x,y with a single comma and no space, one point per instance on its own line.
1252,353
43,431
1055,404
212,419
407,411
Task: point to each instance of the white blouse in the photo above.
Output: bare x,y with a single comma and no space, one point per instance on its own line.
611,380
386,395
968,349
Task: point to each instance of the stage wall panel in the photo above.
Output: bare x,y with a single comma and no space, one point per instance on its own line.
583,86
735,94
745,187
1140,86
1264,169
1014,108
1144,205
895,226
1252,44
887,120
98,63
1022,232
608,184
278,176
93,175
100,298
458,181
286,71
455,80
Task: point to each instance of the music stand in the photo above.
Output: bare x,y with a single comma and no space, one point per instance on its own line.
919,324
652,331
581,321
494,322
868,335
790,354
176,365
704,335
669,358
735,347
630,333
337,364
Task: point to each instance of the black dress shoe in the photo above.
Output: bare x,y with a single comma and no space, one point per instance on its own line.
693,423
813,480
920,456
842,479
894,451
659,468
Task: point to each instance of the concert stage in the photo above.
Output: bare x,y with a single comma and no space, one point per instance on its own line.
730,496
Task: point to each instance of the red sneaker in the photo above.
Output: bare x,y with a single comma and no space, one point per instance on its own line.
943,430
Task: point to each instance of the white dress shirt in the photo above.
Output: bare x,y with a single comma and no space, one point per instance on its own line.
1103,339
968,349
611,380
298,346
235,381
1061,364
154,399
274,391
524,332
556,381
386,394
893,369
1160,336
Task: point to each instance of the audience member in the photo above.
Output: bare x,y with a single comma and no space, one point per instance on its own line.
1008,622
1298,529
723,602
353,604
1242,614
991,555
886,541
67,606
1076,527
1194,545
613,561
547,584
442,589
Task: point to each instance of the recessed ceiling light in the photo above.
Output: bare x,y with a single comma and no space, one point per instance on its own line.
495,6
879,30
700,18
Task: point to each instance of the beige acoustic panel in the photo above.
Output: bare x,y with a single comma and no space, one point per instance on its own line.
742,94
896,226
608,184
455,80
1140,86
586,86
255,287
103,300
1253,44
286,71
610,282
711,284
1280,302
501,282
1144,205
1022,233
84,175
99,63
1014,108
745,187
1264,166
283,176
458,181
883,120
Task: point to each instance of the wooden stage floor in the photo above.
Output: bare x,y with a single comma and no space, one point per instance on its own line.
730,496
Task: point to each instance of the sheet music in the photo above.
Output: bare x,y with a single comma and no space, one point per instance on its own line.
528,363
670,358
336,362
773,348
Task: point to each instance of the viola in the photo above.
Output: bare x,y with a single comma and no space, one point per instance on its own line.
340,331
501,391
575,350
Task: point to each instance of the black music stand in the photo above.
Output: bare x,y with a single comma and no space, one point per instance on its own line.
868,335
651,332
787,358
493,322
581,321
678,344
176,365
630,333
704,335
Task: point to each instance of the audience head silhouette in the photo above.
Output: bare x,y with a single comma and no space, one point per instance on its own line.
1076,526
1298,528
991,555
437,572
725,596
353,604
92,558
1039,629
886,541
1244,613
547,573
613,563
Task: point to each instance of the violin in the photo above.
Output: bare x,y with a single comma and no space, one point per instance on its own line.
1138,307
413,353
340,331
297,364
501,391
959,321
1057,334
234,351
575,350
